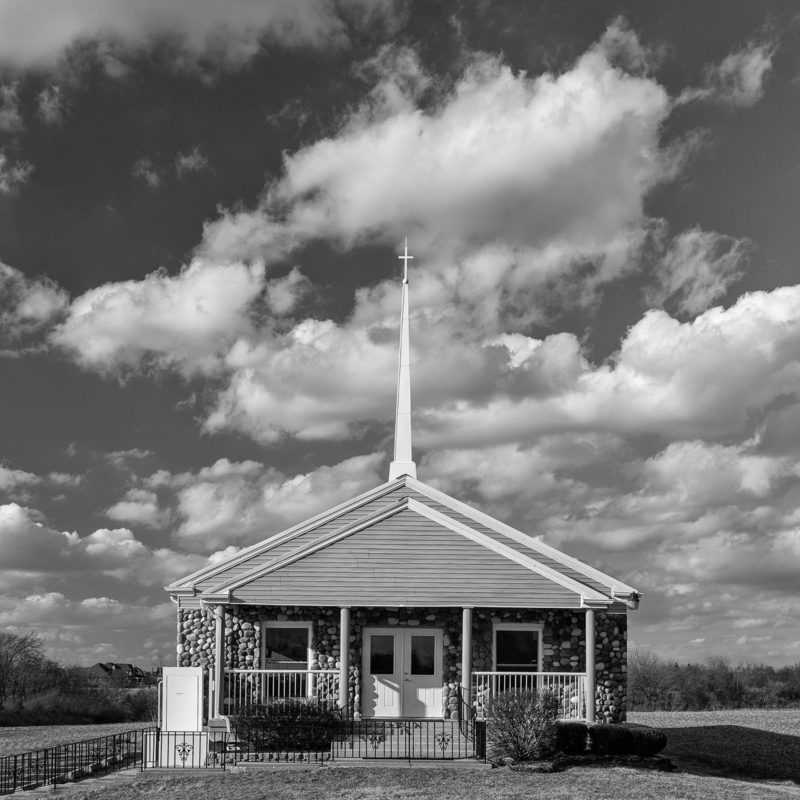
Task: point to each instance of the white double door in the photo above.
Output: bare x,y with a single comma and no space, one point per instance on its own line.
402,669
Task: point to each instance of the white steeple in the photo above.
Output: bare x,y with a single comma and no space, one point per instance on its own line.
403,463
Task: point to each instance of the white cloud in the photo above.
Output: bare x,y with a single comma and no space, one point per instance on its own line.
136,632
30,545
139,507
27,304
13,174
229,32
11,479
242,502
706,378
738,80
698,268
554,167
186,320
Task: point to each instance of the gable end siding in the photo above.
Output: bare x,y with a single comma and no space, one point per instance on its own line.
405,560
283,549
509,542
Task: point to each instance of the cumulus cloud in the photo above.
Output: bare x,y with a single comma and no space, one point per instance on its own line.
555,167
186,320
27,304
11,479
707,378
242,502
229,32
139,507
139,633
28,544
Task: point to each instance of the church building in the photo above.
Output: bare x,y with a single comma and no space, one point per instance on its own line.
406,603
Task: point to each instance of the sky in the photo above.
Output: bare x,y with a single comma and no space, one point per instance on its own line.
201,208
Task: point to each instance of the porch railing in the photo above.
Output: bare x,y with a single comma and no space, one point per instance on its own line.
247,687
569,687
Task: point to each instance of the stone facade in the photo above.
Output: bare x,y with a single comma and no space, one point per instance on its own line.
563,638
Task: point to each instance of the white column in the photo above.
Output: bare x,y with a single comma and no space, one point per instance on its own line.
590,690
466,656
219,658
344,656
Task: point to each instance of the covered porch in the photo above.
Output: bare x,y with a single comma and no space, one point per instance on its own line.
410,663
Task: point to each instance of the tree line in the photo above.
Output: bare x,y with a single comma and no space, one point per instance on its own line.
655,684
36,690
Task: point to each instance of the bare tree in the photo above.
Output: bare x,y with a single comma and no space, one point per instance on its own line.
20,657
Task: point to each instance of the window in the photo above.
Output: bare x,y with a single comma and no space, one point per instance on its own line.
381,654
287,645
423,655
517,647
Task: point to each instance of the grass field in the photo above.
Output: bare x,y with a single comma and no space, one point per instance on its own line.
730,755
34,737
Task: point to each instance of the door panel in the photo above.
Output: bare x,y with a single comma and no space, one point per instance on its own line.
402,670
422,674
382,659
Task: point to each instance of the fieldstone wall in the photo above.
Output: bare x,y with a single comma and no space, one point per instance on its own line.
563,639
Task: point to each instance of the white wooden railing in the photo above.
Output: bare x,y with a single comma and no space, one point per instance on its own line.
569,687
248,687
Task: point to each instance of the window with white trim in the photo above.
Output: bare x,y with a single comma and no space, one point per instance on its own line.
287,645
517,647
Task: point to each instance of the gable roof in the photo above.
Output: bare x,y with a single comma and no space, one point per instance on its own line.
274,557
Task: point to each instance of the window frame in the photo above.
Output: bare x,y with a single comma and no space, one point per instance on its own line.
536,627
267,624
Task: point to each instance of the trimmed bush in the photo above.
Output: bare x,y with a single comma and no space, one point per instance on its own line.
608,740
287,726
571,737
521,726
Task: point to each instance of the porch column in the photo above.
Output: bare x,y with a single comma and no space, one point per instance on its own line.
219,658
590,690
466,657
344,655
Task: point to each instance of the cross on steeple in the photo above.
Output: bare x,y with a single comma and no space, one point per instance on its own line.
405,258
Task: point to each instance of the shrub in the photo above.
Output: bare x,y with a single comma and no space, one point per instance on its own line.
608,740
522,726
571,737
290,725
611,740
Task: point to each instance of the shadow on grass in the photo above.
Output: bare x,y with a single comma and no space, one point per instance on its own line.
734,751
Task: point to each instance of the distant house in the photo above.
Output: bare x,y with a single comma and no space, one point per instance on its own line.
405,603
110,673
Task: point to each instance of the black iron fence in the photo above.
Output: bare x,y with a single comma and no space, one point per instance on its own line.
73,761
319,742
